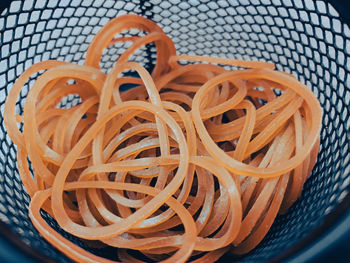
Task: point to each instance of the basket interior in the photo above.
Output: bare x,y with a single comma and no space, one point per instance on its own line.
305,38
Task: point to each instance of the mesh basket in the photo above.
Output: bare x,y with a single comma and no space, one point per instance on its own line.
306,38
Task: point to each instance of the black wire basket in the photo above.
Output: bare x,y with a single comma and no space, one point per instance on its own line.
310,39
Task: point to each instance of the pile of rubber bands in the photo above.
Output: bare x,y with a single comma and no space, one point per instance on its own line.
192,162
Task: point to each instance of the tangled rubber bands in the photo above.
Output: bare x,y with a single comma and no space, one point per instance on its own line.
192,162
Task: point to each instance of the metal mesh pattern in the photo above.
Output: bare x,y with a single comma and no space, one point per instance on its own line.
305,38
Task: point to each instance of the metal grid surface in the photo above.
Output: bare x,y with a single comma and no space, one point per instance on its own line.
305,38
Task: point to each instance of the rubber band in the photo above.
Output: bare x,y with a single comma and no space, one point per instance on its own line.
189,163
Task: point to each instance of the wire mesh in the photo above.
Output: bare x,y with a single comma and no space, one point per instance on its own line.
305,38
